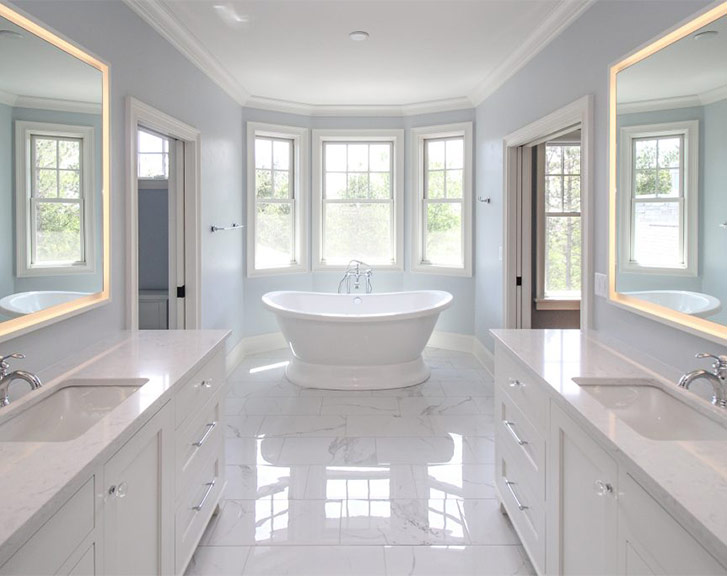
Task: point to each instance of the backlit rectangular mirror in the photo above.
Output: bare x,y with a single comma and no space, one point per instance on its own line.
54,177
668,206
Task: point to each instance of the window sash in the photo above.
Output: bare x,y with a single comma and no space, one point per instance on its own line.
682,228
34,203
325,200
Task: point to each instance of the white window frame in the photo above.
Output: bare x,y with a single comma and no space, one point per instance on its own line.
396,138
690,203
542,302
301,158
24,131
419,138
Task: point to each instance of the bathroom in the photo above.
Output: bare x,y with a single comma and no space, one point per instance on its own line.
397,481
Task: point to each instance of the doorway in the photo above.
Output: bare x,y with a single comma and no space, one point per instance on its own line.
163,249
547,245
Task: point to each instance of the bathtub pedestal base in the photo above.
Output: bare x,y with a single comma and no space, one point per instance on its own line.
338,377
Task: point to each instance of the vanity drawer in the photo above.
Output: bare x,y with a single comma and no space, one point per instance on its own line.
55,541
195,510
525,509
196,441
514,431
199,388
524,388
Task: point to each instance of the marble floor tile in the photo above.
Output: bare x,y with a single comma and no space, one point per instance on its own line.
242,426
333,451
459,481
280,388
253,451
361,482
425,389
434,450
377,425
346,405
485,524
249,482
282,406
316,561
438,406
456,561
218,561
415,522
302,426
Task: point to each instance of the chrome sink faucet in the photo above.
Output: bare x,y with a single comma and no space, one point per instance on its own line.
717,377
356,270
6,377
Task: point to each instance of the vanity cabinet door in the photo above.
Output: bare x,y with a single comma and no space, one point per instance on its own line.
582,505
138,501
651,541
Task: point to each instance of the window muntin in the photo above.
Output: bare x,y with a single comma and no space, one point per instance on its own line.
562,222
275,219
442,230
657,202
152,156
358,203
658,198
57,236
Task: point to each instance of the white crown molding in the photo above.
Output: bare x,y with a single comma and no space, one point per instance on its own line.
58,105
158,16
689,101
558,20
7,98
292,107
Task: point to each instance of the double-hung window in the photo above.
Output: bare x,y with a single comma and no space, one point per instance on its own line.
559,225
277,196
659,195
442,213
54,198
358,213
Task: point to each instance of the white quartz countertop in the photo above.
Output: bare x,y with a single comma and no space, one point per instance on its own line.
689,478
37,477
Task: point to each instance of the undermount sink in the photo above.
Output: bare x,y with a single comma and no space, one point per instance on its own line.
69,411
651,412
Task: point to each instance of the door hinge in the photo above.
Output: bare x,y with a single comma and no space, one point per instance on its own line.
519,281
180,291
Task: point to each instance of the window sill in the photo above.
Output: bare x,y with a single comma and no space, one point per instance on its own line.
441,270
548,304
265,272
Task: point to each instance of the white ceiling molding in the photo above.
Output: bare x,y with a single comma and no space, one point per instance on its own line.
58,105
7,98
558,20
688,101
154,13
361,110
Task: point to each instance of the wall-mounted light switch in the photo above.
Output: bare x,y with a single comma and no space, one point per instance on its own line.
600,286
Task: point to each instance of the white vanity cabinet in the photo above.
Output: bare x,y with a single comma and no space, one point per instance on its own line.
144,509
573,501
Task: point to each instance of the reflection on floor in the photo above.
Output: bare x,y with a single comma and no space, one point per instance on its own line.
336,482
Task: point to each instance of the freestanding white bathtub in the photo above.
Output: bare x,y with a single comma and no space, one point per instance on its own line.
357,342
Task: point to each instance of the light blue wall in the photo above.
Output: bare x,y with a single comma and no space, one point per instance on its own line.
153,239
147,67
458,318
646,281
6,201
574,64
76,282
714,255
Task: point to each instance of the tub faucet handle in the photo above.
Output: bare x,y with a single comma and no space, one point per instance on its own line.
4,366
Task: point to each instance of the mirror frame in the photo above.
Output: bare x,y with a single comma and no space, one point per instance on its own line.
692,324
24,324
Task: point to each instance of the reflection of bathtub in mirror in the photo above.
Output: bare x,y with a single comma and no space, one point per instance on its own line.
693,303
22,303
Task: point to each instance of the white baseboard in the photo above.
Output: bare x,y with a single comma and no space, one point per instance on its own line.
444,340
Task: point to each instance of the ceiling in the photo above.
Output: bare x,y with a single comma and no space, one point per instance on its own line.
296,55
689,72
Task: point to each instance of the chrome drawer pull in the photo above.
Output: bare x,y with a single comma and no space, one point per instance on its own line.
210,486
210,427
510,426
520,505
515,383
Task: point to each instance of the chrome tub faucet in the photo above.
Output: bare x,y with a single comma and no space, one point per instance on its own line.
717,378
6,377
356,270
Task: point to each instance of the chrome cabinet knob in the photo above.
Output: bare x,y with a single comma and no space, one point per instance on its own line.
603,488
120,490
515,383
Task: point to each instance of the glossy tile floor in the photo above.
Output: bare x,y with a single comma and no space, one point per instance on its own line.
384,482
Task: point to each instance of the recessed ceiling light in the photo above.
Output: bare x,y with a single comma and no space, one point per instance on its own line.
706,35
358,35
10,35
